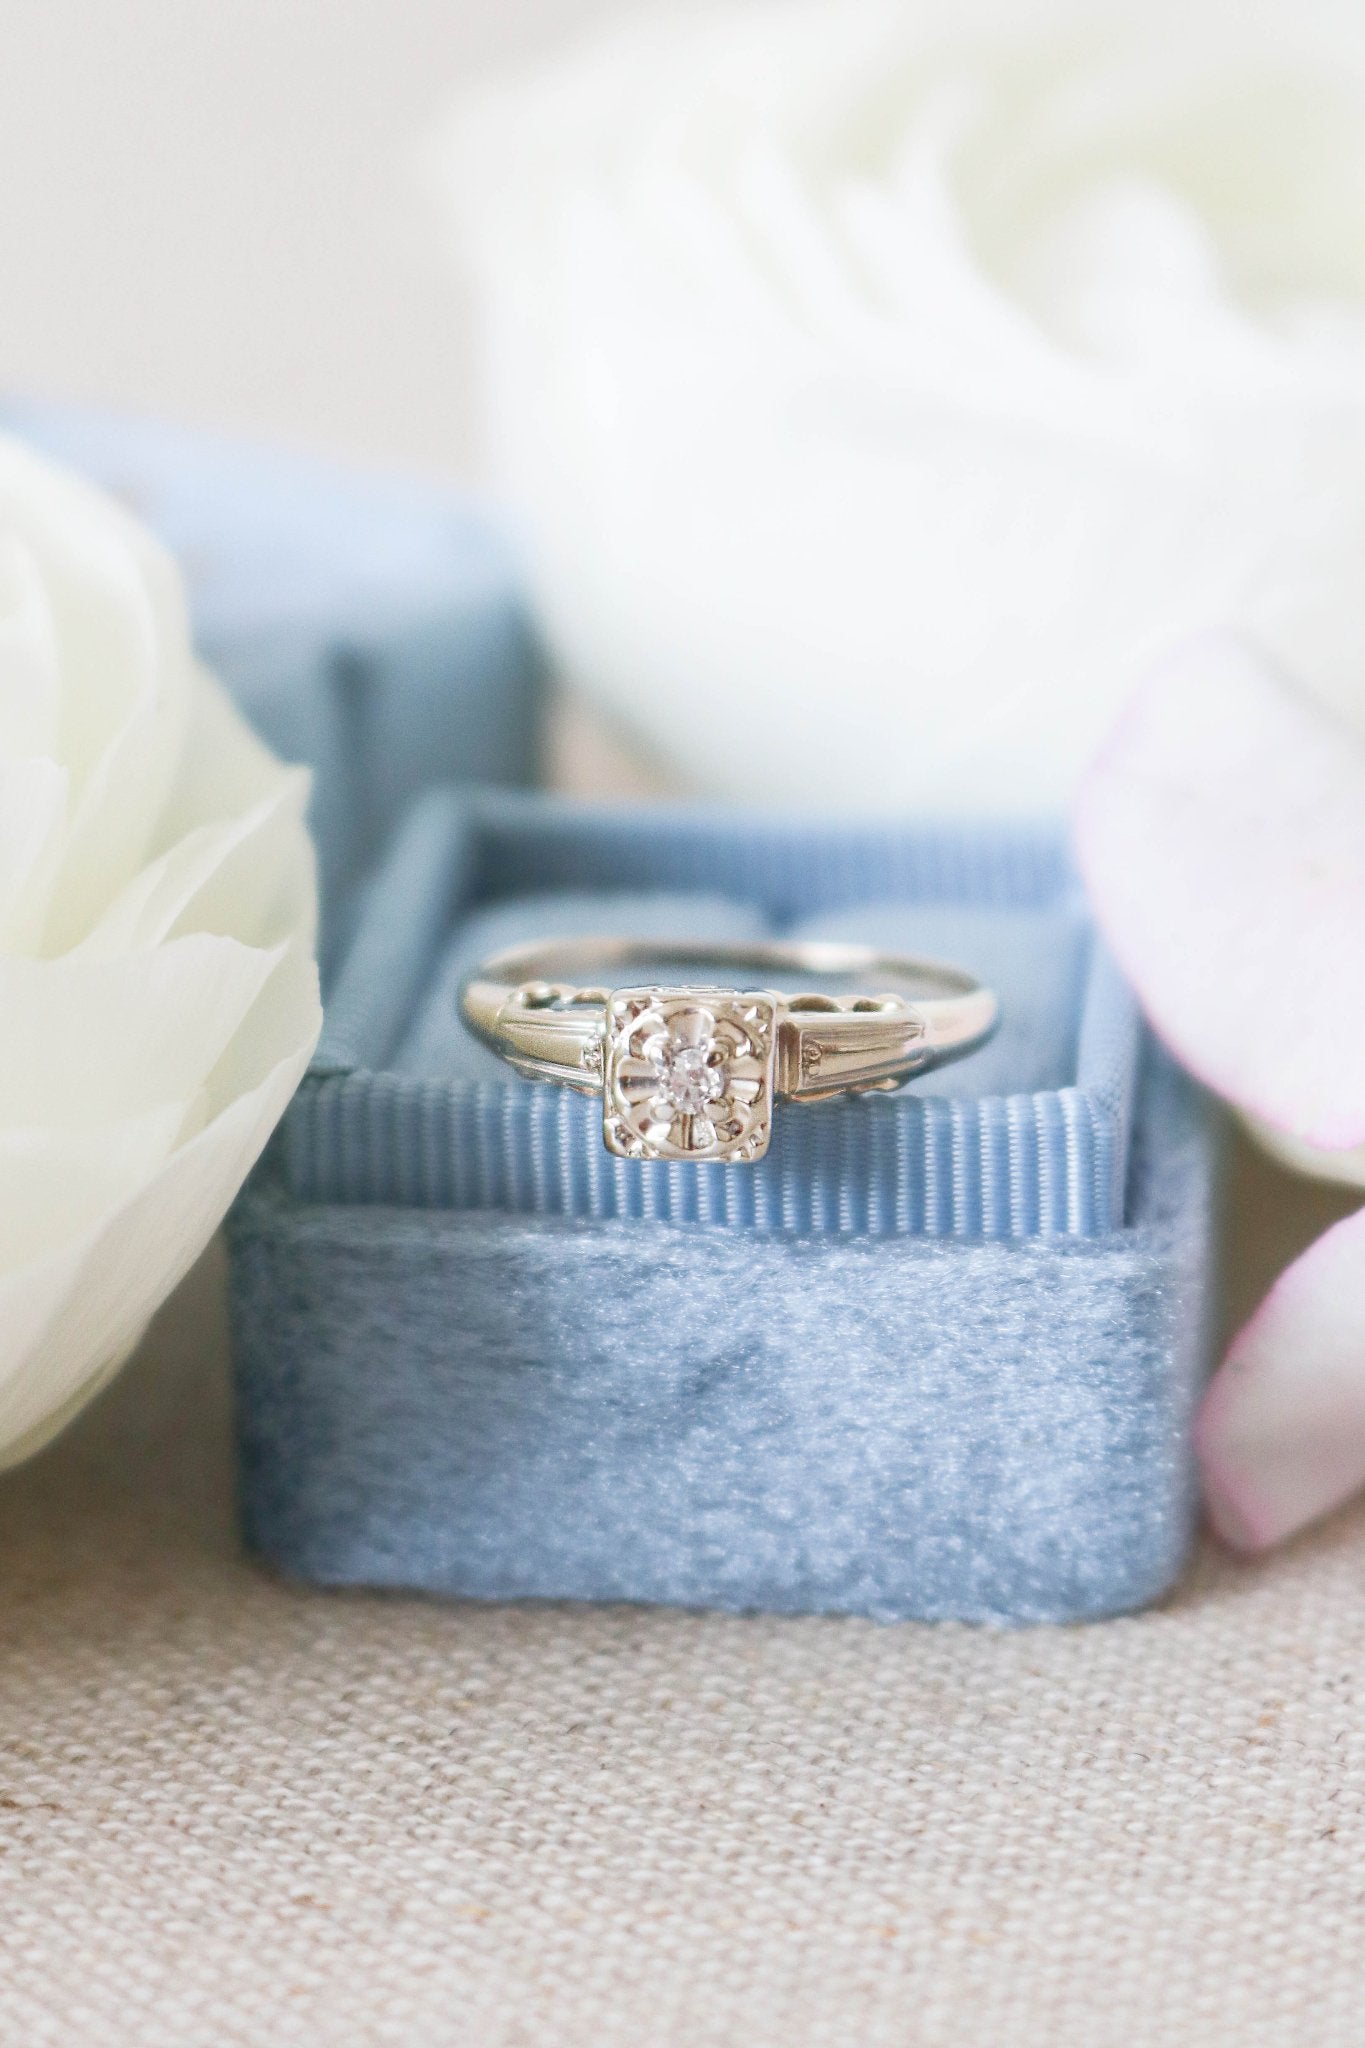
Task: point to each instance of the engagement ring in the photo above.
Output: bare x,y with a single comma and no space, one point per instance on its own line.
691,1072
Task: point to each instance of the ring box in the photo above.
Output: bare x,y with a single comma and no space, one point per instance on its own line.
370,627
936,1355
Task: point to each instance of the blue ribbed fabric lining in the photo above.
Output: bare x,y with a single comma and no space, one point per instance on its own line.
1047,1162
1008,1166
790,869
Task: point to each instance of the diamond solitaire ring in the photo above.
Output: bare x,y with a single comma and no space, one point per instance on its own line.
691,1071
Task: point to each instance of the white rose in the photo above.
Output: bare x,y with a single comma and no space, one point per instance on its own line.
158,997
883,385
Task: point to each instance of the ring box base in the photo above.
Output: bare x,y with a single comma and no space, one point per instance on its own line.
499,1406
562,1384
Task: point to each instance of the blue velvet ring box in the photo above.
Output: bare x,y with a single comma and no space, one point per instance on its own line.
936,1355
370,627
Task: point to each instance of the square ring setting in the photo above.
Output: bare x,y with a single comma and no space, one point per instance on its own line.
688,1073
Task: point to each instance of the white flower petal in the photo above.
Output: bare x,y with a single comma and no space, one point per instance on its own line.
158,996
92,1038
30,682
286,1010
235,875
912,378
33,810
55,1185
223,768
121,641
70,1319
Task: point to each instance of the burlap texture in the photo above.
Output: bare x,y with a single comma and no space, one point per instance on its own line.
237,1813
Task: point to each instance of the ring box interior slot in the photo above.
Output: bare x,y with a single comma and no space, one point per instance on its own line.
371,627
936,1355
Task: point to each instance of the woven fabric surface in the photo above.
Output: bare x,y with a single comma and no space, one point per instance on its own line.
232,1812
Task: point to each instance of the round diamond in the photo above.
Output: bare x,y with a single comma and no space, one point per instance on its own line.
686,1083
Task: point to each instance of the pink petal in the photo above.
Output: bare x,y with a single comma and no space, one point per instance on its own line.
1282,1431
1221,834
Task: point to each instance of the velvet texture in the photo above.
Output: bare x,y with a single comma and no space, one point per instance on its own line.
937,1357
371,628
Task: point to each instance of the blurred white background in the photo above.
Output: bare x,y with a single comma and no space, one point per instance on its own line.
211,211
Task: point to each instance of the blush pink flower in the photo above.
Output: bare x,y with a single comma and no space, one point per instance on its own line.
1221,834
